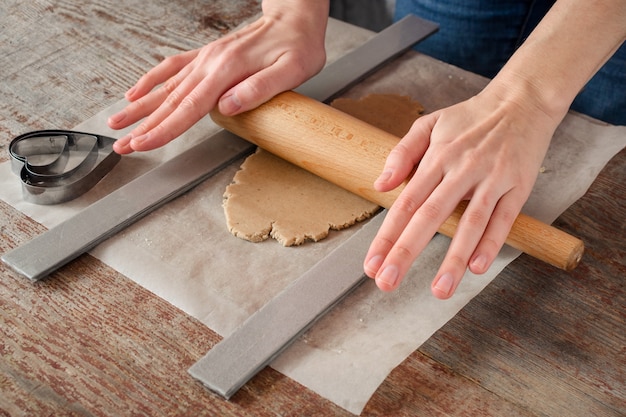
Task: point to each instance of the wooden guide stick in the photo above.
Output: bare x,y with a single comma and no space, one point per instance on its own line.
351,153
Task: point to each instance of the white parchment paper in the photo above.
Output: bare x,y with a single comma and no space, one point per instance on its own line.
184,254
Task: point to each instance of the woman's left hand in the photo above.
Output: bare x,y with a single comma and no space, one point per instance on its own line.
486,150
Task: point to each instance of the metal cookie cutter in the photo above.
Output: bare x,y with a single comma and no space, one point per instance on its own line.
59,165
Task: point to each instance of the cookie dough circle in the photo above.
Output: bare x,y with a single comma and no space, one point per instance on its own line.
270,197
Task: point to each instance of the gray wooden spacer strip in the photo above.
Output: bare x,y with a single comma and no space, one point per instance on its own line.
107,216
268,332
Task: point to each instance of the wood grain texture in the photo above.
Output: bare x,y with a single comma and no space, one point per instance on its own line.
90,342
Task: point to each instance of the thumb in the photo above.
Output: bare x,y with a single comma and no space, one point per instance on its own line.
262,86
405,156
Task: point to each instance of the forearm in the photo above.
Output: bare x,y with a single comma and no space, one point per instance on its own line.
565,50
313,14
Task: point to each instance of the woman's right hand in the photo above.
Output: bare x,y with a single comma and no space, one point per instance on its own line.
236,73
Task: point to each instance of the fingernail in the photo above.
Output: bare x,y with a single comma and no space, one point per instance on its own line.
389,275
229,103
479,262
122,149
444,283
138,140
125,140
384,177
117,118
130,92
374,263
122,145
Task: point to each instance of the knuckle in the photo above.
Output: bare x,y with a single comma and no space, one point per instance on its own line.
173,99
142,128
431,211
404,252
162,133
399,152
476,218
256,88
382,241
138,106
170,85
506,215
474,158
490,245
226,59
192,104
405,204
458,262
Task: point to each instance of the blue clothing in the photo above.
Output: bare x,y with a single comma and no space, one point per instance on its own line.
481,35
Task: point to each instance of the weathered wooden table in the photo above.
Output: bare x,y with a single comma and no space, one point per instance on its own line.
537,341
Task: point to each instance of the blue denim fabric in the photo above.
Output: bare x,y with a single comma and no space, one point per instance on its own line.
604,96
481,35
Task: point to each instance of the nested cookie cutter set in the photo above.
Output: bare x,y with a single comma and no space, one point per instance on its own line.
56,166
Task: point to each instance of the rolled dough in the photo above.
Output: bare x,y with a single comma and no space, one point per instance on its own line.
270,197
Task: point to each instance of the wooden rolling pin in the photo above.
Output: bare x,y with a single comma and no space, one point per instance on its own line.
351,153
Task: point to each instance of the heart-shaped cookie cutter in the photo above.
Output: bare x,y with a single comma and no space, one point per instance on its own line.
56,166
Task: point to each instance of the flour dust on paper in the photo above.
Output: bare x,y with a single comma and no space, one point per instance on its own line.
270,197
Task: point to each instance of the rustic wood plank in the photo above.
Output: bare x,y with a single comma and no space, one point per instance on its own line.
92,342
553,340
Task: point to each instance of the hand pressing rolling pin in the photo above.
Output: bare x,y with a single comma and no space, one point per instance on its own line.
487,150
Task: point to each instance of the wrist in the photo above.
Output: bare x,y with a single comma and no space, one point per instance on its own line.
561,55
311,15
307,19
531,94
